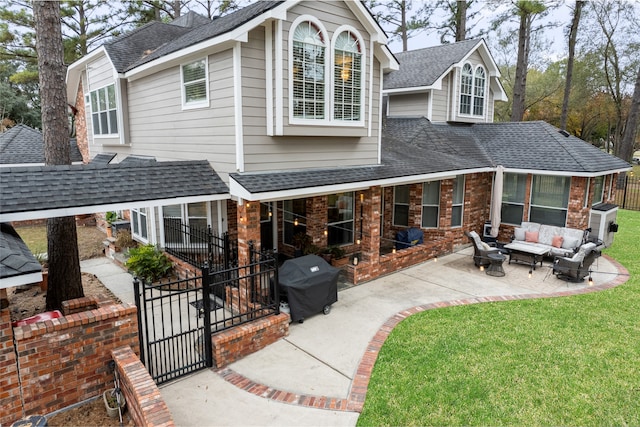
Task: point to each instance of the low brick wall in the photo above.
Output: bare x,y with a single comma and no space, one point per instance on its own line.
63,361
10,404
144,401
240,341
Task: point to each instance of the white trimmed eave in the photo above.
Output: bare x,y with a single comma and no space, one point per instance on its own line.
566,173
237,190
224,41
386,58
415,89
83,210
19,280
74,71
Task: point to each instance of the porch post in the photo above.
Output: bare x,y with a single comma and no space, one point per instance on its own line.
371,210
248,216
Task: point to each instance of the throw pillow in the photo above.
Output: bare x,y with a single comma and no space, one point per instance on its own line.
518,233
485,246
531,236
557,241
570,243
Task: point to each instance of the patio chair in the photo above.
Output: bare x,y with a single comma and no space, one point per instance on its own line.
577,267
481,249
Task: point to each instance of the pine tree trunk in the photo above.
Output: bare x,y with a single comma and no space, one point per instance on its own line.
520,81
573,35
65,280
461,20
631,127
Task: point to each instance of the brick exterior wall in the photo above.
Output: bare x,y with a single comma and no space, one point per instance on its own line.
61,361
10,403
144,401
81,126
235,343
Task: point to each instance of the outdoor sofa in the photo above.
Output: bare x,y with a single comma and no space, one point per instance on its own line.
560,241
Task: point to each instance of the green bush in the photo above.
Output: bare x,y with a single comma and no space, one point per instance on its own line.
111,217
148,263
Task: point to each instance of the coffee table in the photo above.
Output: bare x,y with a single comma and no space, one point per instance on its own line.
527,254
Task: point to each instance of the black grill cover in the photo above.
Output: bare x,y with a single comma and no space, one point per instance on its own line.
309,284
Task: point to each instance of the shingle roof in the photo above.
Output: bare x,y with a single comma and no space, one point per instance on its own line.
22,144
103,158
215,28
40,188
133,46
15,257
413,146
423,67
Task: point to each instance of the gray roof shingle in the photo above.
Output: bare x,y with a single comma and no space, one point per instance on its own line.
15,257
423,67
195,35
414,146
22,144
39,188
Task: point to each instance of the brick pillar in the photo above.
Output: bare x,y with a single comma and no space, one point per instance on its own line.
81,126
248,219
577,213
317,208
9,382
371,210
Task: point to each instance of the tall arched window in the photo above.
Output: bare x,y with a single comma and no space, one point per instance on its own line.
478,92
347,77
308,72
466,85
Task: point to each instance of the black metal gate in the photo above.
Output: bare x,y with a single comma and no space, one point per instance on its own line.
176,318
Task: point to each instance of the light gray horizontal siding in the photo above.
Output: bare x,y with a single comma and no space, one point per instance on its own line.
159,126
414,104
100,73
440,105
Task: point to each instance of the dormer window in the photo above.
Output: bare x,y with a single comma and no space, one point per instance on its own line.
347,77
308,72
478,92
472,90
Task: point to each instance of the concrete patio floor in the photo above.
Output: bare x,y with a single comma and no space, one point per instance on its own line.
325,361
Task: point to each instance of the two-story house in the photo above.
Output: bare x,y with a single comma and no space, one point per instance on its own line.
285,100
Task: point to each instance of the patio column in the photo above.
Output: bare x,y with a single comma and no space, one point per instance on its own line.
248,216
370,243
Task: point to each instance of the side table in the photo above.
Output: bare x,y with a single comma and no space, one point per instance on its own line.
495,267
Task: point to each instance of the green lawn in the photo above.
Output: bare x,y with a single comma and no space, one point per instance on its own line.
549,362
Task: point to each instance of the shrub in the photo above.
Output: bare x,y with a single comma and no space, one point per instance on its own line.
148,263
110,217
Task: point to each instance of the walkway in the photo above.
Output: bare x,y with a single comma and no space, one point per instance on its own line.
326,361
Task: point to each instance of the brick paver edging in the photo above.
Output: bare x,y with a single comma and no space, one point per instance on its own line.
355,401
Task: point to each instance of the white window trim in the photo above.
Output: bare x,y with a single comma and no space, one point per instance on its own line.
363,67
437,205
93,129
461,204
531,204
198,104
327,71
586,193
473,86
604,184
184,217
137,236
408,204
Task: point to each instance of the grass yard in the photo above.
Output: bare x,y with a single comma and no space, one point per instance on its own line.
549,362
89,240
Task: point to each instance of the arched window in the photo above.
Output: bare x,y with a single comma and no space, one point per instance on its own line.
347,77
466,84
478,92
308,72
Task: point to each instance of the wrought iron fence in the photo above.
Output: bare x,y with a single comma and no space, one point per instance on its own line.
199,245
178,317
628,192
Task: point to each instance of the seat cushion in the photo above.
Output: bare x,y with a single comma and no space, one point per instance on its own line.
546,233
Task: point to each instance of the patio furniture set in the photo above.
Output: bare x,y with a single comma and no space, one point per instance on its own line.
570,249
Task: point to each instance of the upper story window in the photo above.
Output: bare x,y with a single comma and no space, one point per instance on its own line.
347,77
104,112
472,90
309,88
195,91
478,92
